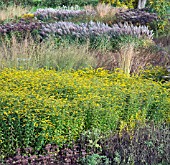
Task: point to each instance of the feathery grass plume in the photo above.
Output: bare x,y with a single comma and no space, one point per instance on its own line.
125,58
93,29
11,12
130,29
15,53
29,54
104,10
144,53
60,14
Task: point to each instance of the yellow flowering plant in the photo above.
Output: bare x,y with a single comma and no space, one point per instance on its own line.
28,16
122,3
44,106
161,8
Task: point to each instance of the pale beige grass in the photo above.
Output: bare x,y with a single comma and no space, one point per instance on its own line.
123,58
126,55
11,12
104,10
31,55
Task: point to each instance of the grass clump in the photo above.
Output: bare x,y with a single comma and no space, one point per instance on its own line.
30,54
12,12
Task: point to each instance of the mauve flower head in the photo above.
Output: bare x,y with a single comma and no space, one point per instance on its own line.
92,29
60,14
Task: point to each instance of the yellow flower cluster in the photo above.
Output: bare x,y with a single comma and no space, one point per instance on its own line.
120,3
28,16
45,106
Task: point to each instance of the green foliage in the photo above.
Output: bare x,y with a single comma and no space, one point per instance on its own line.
45,106
48,3
95,159
161,7
91,139
154,73
121,40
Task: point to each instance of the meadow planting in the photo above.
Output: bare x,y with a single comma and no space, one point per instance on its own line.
84,83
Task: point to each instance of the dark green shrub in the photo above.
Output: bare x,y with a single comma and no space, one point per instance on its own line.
49,3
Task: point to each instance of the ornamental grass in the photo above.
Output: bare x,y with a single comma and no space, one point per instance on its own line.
28,54
11,12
